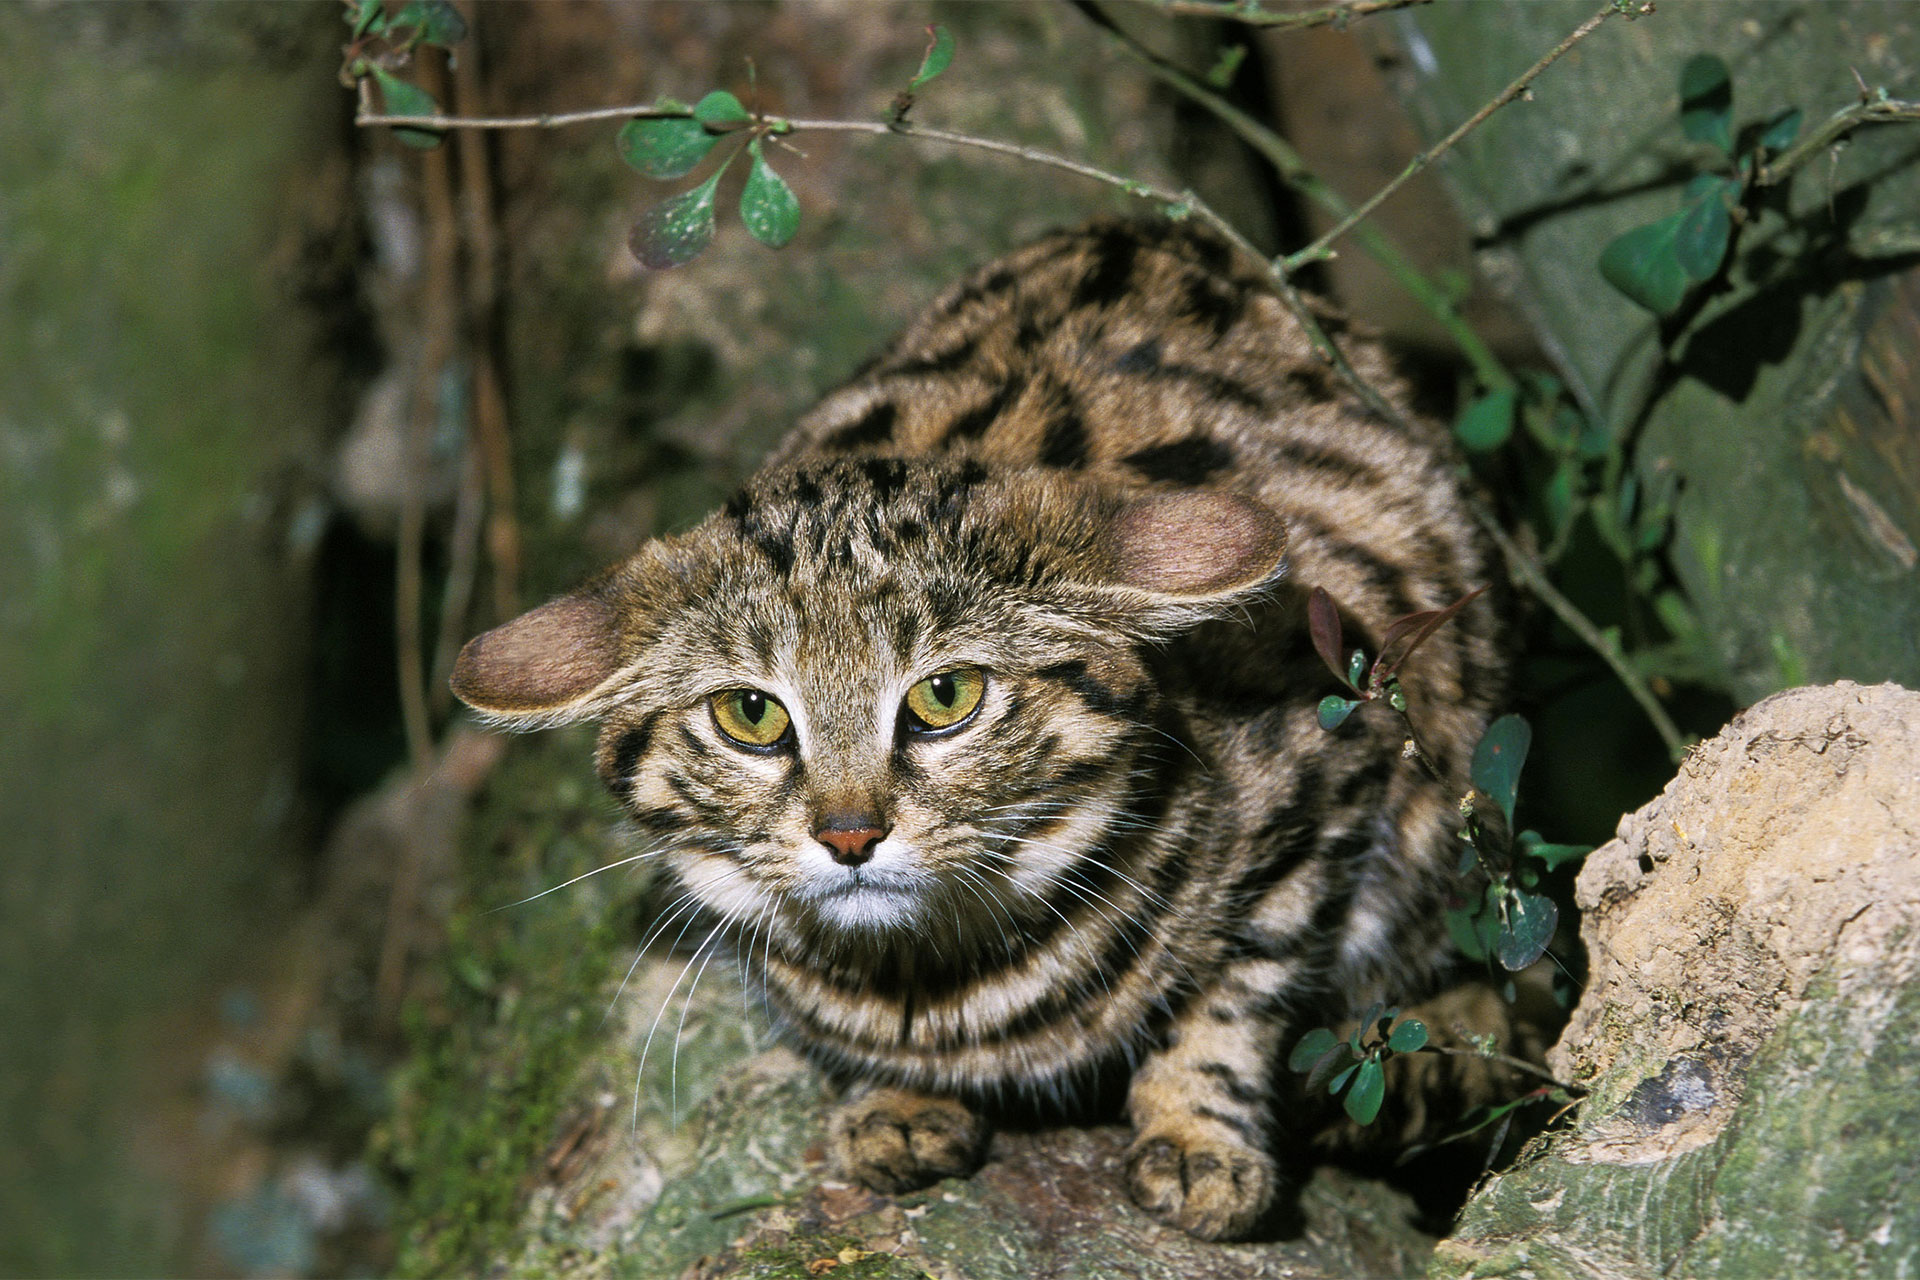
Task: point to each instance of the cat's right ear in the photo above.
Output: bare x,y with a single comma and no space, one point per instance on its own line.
1176,559
553,665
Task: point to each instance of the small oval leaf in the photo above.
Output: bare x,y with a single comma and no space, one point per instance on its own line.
1782,130
1325,1066
1487,422
1408,1037
720,107
938,57
1311,1048
1340,1081
1323,624
1527,930
767,204
664,147
1498,759
404,99
1463,928
675,231
1644,265
1706,101
1369,1090
1334,711
1700,242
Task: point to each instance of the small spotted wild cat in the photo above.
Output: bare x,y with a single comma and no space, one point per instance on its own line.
986,711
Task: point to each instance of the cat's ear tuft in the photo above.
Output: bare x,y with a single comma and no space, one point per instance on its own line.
544,667
1196,545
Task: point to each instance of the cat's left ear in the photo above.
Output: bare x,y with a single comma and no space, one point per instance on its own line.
1191,554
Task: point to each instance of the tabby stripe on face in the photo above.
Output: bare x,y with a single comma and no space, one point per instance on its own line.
625,756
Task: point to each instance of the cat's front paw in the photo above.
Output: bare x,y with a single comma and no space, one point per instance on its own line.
1201,1179
897,1140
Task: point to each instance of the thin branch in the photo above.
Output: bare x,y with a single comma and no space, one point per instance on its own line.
1869,110
1253,14
1529,570
1292,170
1505,1060
1319,248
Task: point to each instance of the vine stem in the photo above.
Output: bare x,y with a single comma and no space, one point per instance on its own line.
1321,248
1251,13
1505,1060
1530,571
1871,109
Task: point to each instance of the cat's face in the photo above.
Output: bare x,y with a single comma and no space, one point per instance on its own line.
874,696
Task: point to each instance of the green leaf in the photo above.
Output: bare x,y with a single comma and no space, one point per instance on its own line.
404,99
1644,264
1781,130
720,107
1369,1091
1487,422
1312,1047
1552,854
1326,1066
1356,666
1700,242
1558,495
664,147
433,21
675,231
1527,929
1409,1037
1463,926
1340,1081
767,204
939,54
1334,711
1706,101
1498,759
1226,66
369,16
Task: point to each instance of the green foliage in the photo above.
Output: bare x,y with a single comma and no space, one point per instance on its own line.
1354,1068
938,57
1486,423
665,148
767,203
1658,264
676,231
384,38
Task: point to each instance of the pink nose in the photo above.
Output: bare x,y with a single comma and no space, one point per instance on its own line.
850,846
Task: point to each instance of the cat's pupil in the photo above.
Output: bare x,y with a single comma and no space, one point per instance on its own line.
753,707
942,689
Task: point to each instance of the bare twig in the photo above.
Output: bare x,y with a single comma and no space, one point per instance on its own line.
1320,248
1505,1060
1529,570
1292,170
1872,109
1253,14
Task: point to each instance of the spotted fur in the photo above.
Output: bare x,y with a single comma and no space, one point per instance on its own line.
1104,470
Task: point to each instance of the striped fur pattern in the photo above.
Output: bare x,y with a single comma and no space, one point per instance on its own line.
1104,471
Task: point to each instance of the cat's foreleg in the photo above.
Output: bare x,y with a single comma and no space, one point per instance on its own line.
899,1140
1202,1109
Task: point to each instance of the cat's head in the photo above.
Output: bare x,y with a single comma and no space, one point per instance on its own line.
876,695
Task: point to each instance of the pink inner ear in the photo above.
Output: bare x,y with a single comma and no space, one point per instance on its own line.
542,660
1197,543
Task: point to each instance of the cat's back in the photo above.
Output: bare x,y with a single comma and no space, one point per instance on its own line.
1143,353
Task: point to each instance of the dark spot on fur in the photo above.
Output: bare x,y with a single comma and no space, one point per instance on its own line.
888,476
1207,300
1191,461
973,423
1107,281
1142,357
873,427
1065,442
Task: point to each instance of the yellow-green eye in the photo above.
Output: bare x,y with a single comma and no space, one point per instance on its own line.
749,716
942,701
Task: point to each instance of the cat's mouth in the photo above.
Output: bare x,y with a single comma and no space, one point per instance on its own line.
865,897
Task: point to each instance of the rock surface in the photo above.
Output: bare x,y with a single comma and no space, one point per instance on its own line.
1748,1035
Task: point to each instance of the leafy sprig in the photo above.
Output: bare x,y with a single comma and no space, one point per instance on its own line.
1353,1069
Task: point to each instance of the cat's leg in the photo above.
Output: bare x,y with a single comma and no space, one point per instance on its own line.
1202,1109
898,1140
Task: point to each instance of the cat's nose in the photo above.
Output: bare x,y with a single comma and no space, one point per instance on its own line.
850,841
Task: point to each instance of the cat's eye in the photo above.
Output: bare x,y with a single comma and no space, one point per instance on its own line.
943,701
750,717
